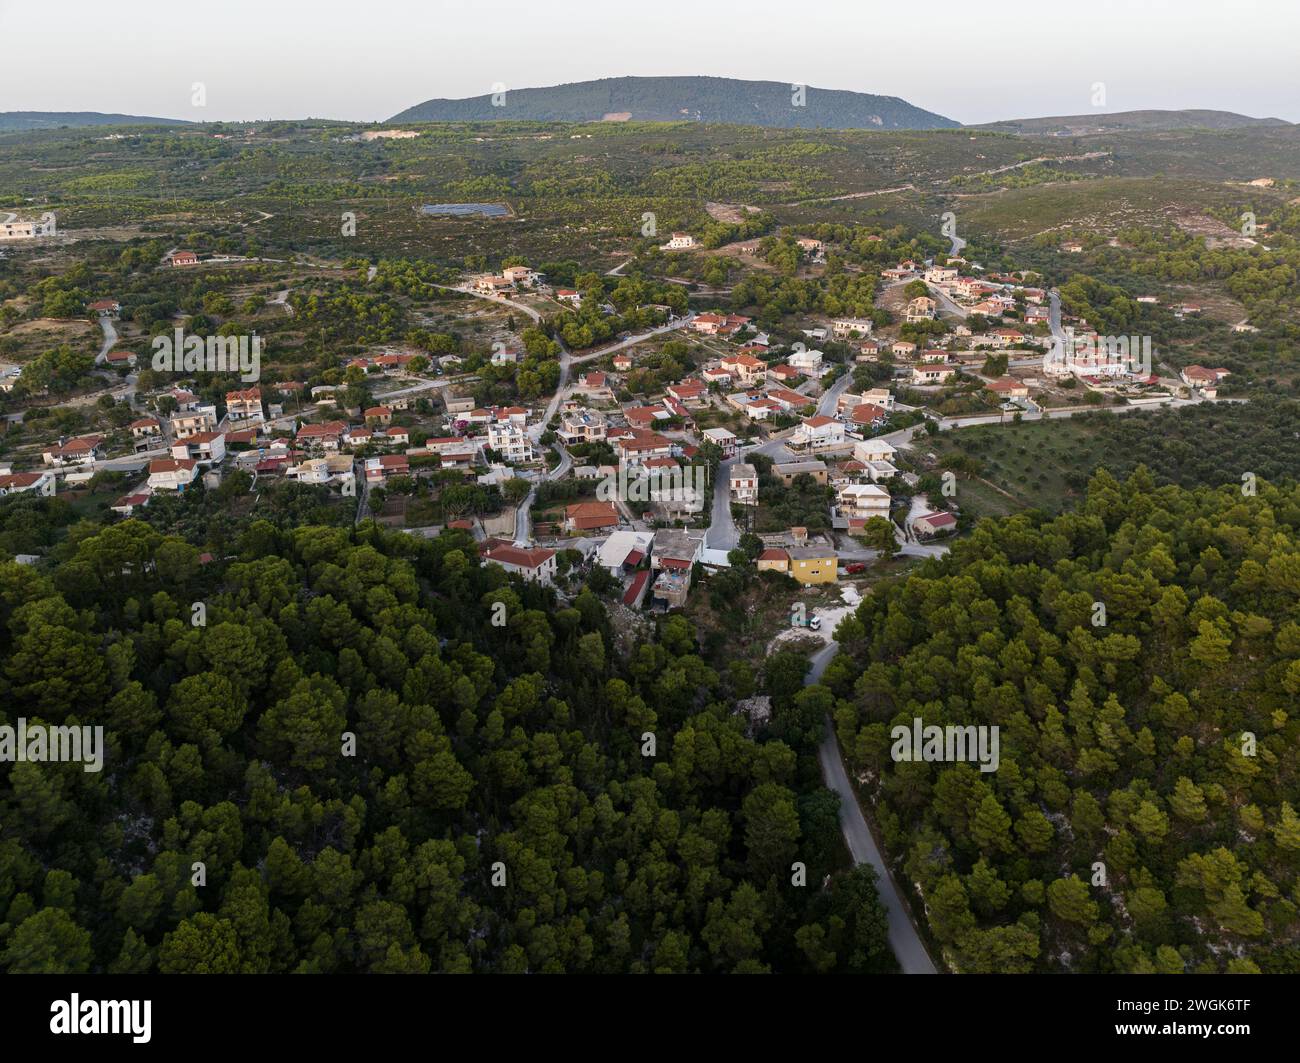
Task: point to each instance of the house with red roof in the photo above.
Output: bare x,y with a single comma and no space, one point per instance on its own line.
928,525
245,405
537,565
590,516
172,474
15,483
327,436
386,466
78,451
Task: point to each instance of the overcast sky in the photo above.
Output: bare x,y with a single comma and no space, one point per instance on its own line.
368,59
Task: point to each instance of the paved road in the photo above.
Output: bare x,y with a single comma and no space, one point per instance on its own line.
826,407
722,533
110,337
676,323
903,937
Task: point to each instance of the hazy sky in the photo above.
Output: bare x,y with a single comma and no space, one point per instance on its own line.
368,59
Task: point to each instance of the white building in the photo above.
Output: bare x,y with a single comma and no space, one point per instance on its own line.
42,483
723,439
172,474
743,482
863,501
807,362
511,443
536,565
818,432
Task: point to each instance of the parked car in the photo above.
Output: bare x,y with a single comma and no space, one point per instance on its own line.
857,568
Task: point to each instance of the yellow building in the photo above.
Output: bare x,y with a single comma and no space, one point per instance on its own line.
810,564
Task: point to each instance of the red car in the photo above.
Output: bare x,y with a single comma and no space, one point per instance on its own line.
855,568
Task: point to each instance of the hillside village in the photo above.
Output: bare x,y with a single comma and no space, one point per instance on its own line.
800,453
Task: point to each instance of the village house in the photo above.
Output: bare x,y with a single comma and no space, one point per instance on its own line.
244,405
689,392
394,436
716,375
787,399
723,439
569,295
590,516
326,471
806,361
192,422
636,445
745,368
624,551
1002,337
488,284
120,359
582,426
928,525
773,559
645,416
862,501
674,554
595,385
813,564
521,275
79,451
184,258
679,242
710,324
534,565
146,428
903,271
743,483
933,372
511,443
1008,387
850,328
876,456
128,504
882,397
379,415
756,406
920,309
817,433
1198,376
867,416
40,483
327,436
941,274
868,352
205,447
787,471
515,415
622,363
358,436
383,468
172,474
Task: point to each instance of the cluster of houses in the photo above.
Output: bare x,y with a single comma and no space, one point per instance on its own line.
658,567
509,279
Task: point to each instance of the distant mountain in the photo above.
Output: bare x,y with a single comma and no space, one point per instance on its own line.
18,120
669,99
1077,125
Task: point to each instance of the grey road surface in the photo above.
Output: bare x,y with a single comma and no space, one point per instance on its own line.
903,937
